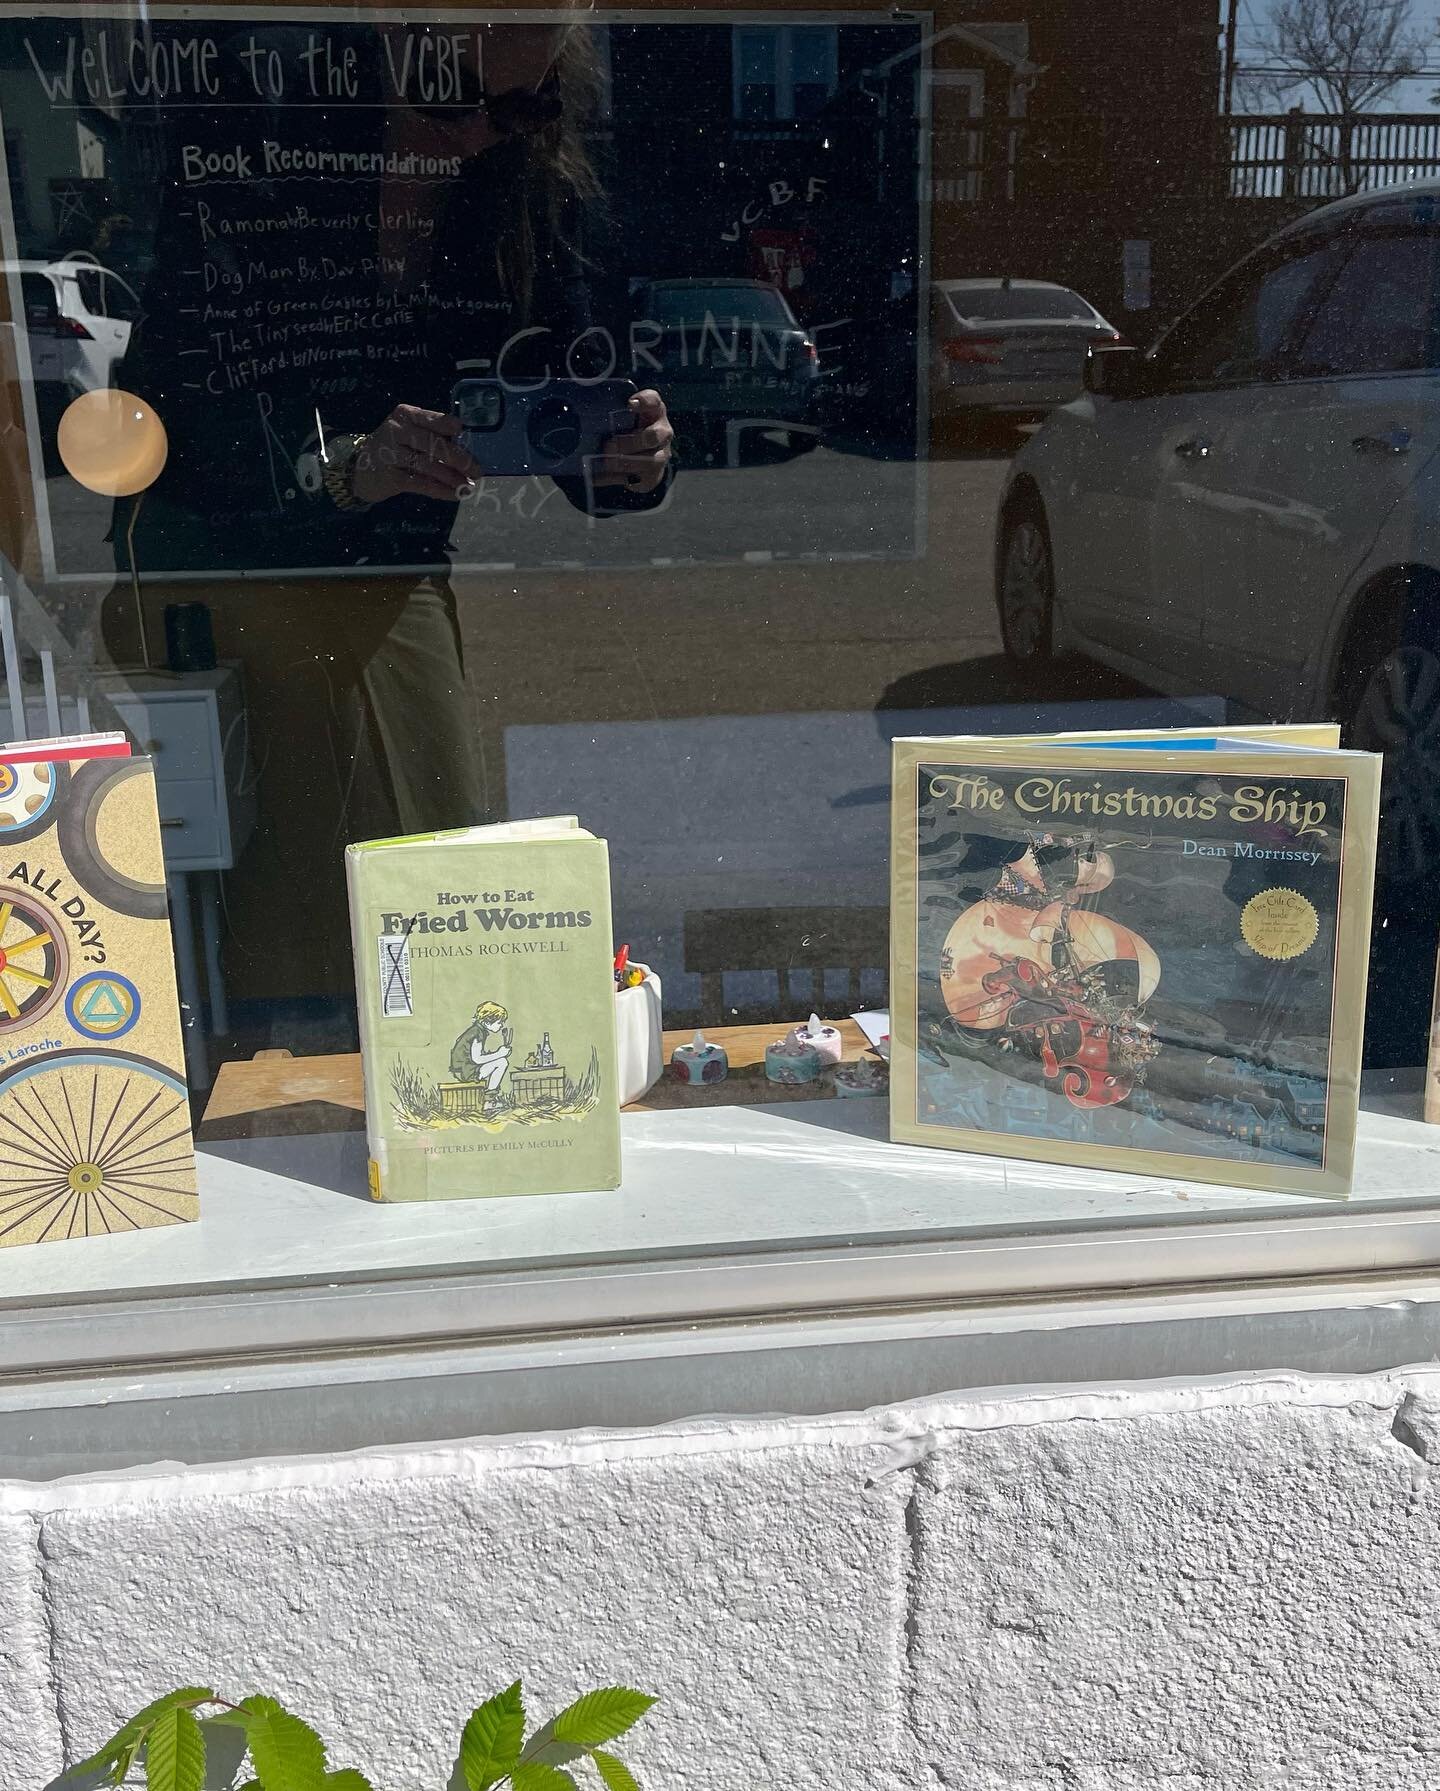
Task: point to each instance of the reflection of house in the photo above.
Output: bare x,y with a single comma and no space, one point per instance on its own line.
52,155
1303,1097
1039,140
786,148
1263,1127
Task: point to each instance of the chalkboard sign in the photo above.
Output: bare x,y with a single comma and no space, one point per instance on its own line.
275,230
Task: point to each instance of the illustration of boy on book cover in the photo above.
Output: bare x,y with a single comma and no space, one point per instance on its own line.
485,1087
1134,959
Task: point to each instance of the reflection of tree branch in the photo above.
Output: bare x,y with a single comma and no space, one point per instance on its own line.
1348,54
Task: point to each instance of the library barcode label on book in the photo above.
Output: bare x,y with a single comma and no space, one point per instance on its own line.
396,997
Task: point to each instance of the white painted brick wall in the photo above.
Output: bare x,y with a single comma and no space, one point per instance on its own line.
30,1750
1223,1598
1216,1587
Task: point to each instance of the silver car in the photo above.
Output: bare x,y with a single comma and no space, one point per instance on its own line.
1249,508
724,352
1010,345
78,319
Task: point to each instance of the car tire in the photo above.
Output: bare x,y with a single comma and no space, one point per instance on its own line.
1025,590
1389,702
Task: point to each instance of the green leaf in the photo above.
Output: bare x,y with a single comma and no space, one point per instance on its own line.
347,1779
175,1752
490,1745
288,1754
616,1775
600,1716
126,1742
535,1775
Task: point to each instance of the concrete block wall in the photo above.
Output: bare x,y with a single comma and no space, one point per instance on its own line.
1179,1587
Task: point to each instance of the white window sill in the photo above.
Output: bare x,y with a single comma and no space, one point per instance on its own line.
733,1214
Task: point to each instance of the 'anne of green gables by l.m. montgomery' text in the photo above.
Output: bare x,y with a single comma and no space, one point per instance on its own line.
487,1012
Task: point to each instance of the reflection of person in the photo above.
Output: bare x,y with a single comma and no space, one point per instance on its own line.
332,309
482,1051
303,332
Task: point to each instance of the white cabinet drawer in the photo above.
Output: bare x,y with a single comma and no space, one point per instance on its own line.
189,824
179,735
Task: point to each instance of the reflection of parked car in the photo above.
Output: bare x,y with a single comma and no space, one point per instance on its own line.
1250,507
728,351
78,317
1009,345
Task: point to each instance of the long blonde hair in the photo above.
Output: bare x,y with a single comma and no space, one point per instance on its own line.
557,174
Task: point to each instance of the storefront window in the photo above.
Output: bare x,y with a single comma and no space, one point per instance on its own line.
652,417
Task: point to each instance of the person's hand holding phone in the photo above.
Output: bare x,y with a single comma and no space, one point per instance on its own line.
414,452
638,458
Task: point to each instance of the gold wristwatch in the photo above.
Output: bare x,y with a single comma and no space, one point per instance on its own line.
338,461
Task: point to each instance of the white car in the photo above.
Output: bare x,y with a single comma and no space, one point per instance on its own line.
78,319
1009,345
1249,509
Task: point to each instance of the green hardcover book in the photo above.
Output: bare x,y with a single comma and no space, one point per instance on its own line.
484,973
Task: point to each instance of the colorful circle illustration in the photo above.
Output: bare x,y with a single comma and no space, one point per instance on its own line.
33,958
103,1005
93,785
27,799
93,1142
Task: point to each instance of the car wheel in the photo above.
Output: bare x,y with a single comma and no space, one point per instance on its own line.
1394,708
1026,593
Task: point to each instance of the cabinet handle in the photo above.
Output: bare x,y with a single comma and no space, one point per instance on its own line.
176,822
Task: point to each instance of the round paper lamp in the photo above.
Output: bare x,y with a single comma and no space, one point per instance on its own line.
113,443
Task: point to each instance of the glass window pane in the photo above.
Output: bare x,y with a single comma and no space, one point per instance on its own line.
757,56
120,302
1378,316
693,302
42,308
994,303
653,416
1241,331
91,288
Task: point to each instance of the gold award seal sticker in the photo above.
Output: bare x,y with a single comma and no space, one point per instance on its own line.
1279,923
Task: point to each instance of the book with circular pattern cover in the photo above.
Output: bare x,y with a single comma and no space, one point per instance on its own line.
95,1133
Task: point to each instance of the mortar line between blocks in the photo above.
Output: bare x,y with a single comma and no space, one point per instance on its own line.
45,1600
918,1477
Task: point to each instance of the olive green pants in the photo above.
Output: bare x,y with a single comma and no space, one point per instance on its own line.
359,728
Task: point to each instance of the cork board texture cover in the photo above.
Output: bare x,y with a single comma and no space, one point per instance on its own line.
94,1115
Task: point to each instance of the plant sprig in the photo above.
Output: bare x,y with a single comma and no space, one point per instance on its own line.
286,1754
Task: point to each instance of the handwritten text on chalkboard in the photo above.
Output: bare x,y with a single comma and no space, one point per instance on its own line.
433,69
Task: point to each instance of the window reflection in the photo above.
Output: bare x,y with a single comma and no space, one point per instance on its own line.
391,288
